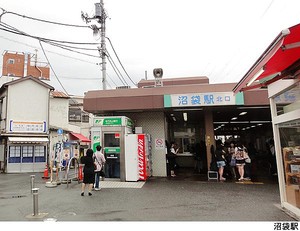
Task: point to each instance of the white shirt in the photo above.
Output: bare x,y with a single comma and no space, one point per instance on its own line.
99,160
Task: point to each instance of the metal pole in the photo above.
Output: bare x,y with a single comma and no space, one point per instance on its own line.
32,182
35,192
103,46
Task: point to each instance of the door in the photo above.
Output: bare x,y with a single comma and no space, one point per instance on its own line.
111,146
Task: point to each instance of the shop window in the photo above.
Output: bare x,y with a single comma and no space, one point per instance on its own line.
14,155
40,154
288,101
290,143
27,154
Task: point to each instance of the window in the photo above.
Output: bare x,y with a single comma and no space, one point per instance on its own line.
111,140
40,153
74,115
14,155
11,61
27,154
85,117
288,101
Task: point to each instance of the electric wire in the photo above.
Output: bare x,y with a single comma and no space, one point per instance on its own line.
41,20
52,68
111,80
120,74
120,61
109,60
56,53
62,46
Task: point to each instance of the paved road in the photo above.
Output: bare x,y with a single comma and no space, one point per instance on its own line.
160,199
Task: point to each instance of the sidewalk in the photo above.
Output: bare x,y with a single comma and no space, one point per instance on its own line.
159,199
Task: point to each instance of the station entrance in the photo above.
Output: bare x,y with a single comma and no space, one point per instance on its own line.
251,126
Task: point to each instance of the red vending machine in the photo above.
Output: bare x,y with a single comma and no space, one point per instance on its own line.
138,163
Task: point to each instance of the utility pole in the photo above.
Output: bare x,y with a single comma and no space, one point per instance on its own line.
102,19
100,16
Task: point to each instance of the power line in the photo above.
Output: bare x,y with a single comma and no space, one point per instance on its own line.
112,62
66,56
120,61
40,20
17,31
115,70
52,68
13,30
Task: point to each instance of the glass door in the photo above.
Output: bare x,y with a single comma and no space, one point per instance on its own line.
111,150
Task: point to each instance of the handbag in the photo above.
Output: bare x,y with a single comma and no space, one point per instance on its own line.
102,173
232,162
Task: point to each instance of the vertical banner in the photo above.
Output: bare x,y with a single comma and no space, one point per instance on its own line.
142,157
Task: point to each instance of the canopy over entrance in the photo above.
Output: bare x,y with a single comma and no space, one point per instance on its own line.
280,59
80,137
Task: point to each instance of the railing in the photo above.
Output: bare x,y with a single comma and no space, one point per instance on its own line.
73,175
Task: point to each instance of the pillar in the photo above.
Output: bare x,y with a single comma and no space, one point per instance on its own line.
209,133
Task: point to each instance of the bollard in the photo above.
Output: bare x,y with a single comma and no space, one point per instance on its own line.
35,193
32,181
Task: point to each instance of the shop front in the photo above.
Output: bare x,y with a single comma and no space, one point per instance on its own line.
285,105
278,70
26,154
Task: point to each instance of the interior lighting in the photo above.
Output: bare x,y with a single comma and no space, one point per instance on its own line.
243,113
185,116
234,118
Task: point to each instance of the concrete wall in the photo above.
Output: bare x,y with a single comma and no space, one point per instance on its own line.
27,101
59,110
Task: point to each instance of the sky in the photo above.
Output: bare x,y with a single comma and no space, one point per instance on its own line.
214,38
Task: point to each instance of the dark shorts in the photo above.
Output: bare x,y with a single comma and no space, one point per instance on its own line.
240,162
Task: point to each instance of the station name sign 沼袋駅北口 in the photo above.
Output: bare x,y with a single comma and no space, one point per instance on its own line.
203,99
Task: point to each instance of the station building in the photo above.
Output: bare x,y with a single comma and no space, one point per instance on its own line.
189,111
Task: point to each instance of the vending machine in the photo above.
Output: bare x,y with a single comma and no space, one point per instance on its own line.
138,160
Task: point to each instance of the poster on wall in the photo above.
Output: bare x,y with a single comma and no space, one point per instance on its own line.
159,144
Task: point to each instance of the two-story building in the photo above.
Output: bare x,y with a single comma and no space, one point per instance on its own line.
24,105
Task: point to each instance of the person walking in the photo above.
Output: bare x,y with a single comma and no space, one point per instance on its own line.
231,150
99,162
88,172
240,157
220,158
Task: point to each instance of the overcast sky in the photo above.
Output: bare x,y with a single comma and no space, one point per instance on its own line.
220,39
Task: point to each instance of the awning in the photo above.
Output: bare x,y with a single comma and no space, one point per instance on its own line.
282,53
28,139
78,136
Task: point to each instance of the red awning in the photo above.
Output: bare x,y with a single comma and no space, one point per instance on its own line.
78,136
281,54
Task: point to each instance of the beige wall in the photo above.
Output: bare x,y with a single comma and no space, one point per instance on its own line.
153,123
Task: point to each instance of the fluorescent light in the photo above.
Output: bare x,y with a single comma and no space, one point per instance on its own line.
234,118
243,113
255,76
185,116
174,118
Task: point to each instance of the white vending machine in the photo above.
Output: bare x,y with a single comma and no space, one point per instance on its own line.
138,163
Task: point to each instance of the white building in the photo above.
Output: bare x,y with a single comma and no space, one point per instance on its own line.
24,124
